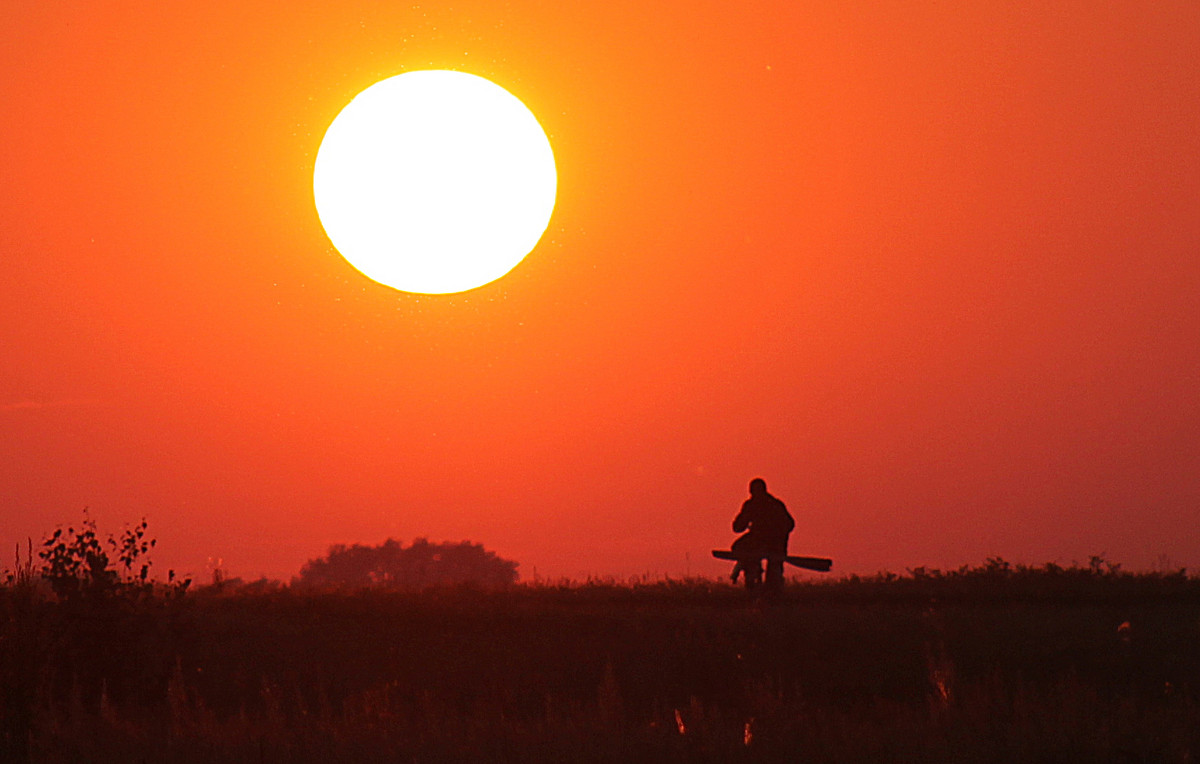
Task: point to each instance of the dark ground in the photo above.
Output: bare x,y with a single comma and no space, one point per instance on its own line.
993,664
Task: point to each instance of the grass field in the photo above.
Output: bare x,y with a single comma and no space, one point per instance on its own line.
989,664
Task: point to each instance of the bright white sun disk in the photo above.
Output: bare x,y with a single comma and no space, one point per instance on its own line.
435,181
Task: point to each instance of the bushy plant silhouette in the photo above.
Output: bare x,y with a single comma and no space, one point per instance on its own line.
392,565
78,564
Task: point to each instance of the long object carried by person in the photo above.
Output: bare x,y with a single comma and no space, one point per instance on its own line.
820,564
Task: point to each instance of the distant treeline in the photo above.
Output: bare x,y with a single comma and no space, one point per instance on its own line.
392,565
1000,580
74,563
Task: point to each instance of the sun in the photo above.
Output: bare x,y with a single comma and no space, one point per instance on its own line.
435,181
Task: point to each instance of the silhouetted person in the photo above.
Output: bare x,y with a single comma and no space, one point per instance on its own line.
767,524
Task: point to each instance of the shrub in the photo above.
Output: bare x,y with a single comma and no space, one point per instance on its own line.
392,565
79,565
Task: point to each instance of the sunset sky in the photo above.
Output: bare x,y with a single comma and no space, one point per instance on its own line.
930,269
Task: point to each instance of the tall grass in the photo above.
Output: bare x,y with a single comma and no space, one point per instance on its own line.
998,663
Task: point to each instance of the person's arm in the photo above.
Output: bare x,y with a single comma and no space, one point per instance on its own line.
741,522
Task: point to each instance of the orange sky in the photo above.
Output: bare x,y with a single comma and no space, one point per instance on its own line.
930,269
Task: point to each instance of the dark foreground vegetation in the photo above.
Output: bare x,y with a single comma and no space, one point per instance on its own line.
989,664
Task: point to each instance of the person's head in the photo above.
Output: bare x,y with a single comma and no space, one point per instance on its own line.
758,487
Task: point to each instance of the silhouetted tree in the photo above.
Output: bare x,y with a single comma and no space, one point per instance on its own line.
395,566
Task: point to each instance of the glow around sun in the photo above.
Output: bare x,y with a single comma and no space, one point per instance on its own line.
435,181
